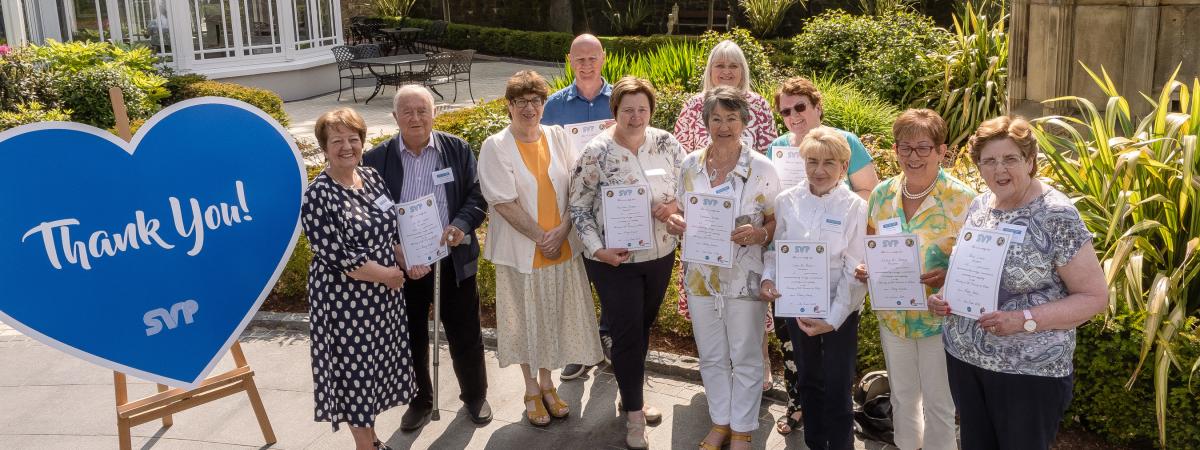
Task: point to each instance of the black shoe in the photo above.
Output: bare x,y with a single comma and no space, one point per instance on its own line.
481,413
381,446
415,418
573,371
606,344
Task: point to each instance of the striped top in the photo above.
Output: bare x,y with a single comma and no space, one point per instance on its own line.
418,178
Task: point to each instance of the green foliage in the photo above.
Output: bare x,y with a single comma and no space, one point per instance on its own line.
667,106
263,99
392,8
885,55
29,113
85,92
971,84
293,281
666,65
628,19
1134,183
883,7
849,108
766,15
23,81
137,64
475,124
177,85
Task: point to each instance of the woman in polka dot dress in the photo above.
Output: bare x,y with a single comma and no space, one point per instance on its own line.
361,357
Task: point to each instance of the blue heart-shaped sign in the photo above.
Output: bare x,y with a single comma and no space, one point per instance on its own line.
147,257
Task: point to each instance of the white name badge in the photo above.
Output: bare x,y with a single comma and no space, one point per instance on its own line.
725,189
656,172
832,224
443,176
890,226
1017,231
384,203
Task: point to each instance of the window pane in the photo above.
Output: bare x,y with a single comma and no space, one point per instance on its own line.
260,29
89,23
212,33
145,23
304,31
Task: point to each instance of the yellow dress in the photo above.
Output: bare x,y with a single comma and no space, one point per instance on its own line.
536,156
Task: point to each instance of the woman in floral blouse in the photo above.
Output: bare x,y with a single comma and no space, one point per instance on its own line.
727,314
1010,372
631,283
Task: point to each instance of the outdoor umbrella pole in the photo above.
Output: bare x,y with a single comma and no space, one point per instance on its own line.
437,321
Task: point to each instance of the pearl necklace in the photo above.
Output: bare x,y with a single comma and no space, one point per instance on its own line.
911,196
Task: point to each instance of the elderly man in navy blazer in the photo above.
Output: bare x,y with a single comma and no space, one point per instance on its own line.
417,162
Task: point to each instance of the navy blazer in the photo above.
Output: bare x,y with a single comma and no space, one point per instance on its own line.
464,197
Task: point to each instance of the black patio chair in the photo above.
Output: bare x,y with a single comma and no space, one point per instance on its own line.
431,38
344,55
455,69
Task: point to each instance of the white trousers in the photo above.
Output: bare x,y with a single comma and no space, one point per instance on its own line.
922,408
729,335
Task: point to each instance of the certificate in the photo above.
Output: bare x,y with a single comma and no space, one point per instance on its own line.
895,265
583,132
789,165
973,281
421,232
709,228
802,278
627,221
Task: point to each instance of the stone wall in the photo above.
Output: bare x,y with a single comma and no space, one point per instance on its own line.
1138,42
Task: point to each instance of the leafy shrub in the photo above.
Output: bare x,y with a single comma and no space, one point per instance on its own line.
667,106
883,54
293,281
29,113
177,85
766,15
85,92
21,81
849,108
263,99
475,124
628,19
137,64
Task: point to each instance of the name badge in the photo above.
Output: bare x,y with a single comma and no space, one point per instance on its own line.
1017,231
384,203
890,226
443,176
656,172
832,224
724,189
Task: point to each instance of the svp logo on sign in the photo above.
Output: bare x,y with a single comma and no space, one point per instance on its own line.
147,257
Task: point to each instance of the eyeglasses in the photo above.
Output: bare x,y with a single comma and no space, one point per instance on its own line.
1008,162
799,108
922,151
521,103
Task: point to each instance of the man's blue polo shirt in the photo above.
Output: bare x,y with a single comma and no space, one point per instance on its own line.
567,107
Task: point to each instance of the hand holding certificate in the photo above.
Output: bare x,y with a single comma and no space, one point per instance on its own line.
973,282
421,232
895,279
789,165
627,221
802,279
583,132
709,227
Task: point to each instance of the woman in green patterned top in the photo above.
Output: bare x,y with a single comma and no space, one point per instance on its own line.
925,201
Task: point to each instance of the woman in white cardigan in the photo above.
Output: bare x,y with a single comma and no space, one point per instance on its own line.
544,313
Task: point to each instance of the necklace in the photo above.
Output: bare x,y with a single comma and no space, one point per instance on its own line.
922,194
351,186
714,168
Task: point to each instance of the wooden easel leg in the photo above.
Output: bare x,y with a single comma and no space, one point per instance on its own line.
124,439
167,421
260,412
123,435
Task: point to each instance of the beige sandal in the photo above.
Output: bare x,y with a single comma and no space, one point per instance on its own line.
722,430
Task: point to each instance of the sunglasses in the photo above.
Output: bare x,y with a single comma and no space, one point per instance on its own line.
799,108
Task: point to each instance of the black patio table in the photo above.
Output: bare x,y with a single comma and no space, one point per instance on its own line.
403,37
383,77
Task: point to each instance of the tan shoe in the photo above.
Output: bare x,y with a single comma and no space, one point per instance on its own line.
557,408
635,436
737,438
720,430
653,415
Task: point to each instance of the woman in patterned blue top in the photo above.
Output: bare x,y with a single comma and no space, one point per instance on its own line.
1010,372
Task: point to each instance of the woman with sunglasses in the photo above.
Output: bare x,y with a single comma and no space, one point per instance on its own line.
799,104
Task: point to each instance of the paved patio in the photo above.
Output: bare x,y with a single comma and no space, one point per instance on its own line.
487,82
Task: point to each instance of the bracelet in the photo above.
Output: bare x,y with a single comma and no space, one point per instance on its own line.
766,236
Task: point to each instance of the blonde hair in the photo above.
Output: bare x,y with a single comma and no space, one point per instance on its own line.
345,117
825,142
726,50
1006,127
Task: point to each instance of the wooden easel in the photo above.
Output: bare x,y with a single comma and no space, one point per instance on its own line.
170,401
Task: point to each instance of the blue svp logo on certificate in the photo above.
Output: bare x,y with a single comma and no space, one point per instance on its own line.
803,279
973,281
627,221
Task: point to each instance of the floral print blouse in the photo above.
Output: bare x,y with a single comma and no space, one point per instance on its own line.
936,223
1054,234
755,186
606,163
692,132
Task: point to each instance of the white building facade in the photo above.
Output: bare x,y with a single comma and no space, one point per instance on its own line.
282,45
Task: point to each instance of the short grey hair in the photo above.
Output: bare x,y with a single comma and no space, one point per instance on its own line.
729,98
412,89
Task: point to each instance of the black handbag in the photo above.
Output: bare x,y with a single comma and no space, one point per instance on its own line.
873,408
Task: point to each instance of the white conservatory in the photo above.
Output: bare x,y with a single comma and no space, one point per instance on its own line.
282,45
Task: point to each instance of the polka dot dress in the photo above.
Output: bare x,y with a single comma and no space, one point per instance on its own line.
361,355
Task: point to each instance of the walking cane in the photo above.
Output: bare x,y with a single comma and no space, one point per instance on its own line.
437,321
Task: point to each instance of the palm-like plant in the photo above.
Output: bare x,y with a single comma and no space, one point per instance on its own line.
973,83
1135,183
668,64
766,15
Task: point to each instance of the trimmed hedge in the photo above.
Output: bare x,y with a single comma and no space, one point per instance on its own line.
265,100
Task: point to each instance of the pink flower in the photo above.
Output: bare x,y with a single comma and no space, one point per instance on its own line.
3,50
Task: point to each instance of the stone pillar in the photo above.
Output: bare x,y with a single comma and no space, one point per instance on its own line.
1141,52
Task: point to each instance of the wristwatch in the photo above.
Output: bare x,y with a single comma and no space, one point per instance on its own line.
1030,324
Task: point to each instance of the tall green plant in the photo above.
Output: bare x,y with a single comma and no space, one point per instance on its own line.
1135,185
669,64
883,7
972,83
766,15
392,8
628,19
